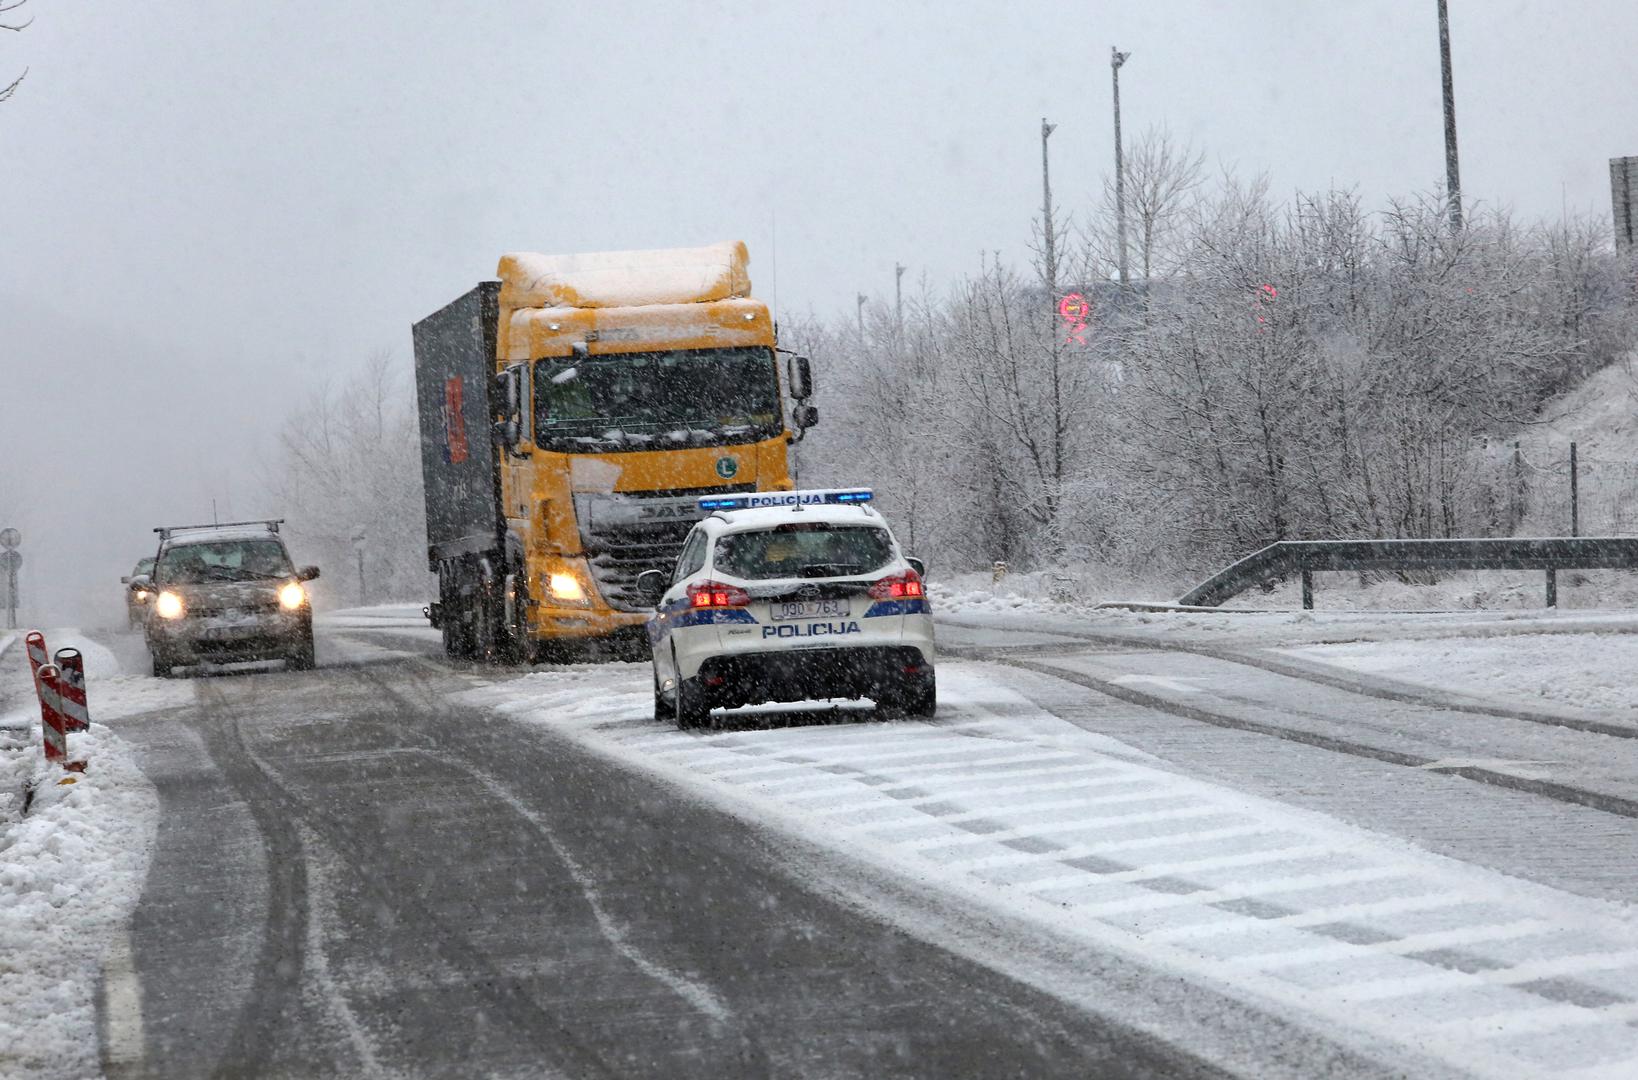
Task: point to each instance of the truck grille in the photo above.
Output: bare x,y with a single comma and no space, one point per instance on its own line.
629,532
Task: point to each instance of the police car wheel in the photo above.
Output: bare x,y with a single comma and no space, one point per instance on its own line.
663,709
692,710
923,700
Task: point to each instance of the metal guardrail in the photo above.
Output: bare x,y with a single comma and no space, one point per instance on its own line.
1305,557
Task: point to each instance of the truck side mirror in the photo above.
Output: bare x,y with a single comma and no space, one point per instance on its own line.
651,585
805,416
307,573
506,433
801,378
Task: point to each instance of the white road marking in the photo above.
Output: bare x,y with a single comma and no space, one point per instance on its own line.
122,1001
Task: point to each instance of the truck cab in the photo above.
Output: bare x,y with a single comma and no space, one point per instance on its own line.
615,391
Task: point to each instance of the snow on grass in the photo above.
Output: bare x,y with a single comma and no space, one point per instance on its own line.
71,871
1596,672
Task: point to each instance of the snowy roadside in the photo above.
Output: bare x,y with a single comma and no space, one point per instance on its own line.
1593,672
1010,810
71,870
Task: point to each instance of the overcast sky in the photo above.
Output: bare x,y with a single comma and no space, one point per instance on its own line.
207,206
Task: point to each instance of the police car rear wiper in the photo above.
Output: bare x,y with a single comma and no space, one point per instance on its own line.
830,569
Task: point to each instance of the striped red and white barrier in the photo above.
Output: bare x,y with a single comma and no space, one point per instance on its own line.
71,685
35,641
53,725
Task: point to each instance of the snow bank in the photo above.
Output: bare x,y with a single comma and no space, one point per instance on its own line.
1596,672
71,871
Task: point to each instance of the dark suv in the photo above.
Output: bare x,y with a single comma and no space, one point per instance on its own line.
225,594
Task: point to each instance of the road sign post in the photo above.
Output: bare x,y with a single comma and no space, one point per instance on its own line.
10,560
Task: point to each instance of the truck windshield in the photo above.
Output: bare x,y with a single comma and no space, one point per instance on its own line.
655,400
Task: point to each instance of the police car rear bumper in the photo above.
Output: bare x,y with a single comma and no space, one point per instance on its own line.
870,671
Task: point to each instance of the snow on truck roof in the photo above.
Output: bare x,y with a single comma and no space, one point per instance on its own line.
625,278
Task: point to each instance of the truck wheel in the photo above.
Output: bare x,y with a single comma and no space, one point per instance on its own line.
162,666
693,711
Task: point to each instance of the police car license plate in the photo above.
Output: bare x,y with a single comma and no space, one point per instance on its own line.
810,609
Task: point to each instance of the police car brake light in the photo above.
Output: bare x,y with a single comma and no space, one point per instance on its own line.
716,594
905,586
752,500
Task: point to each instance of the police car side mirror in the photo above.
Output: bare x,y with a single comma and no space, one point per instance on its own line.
917,565
651,585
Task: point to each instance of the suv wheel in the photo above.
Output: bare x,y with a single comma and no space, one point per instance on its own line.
162,667
304,658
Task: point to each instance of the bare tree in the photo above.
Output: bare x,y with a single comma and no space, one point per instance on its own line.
1162,177
6,23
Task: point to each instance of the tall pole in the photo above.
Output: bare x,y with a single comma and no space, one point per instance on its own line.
1453,171
898,299
1046,215
861,304
1116,59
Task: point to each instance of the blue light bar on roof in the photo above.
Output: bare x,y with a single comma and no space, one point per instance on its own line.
755,499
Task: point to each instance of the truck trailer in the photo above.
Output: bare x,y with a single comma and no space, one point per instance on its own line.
573,413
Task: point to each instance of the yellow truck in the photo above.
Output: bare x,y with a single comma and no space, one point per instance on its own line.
572,415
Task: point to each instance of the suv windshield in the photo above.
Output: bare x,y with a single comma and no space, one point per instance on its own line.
223,560
635,401
809,551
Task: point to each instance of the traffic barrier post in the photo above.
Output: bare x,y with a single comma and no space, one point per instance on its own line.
71,684
36,647
53,726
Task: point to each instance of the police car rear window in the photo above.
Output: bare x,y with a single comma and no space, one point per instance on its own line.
804,551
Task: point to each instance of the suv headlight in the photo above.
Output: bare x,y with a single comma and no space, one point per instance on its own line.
292,596
169,605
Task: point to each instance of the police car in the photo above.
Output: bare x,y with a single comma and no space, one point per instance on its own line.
790,596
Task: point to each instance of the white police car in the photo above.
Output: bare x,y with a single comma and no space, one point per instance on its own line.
790,596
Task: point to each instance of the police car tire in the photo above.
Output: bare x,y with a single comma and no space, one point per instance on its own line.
663,709
692,709
923,701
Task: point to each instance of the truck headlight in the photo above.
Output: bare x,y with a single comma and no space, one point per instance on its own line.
565,586
292,596
169,605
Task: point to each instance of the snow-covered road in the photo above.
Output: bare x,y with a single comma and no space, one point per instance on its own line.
1011,807
1266,845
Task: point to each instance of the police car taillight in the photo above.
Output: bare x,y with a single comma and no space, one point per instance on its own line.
716,594
905,586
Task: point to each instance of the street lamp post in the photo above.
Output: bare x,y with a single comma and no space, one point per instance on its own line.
1453,171
1047,237
1116,59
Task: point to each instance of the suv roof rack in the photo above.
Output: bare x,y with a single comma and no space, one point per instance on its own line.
165,531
